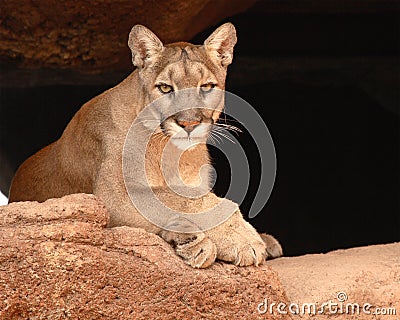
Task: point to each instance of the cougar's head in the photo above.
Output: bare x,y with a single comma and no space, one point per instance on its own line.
183,83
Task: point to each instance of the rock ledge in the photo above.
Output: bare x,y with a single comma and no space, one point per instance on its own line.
57,261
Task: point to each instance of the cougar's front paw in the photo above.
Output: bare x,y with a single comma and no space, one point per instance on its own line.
238,245
242,250
238,242
195,249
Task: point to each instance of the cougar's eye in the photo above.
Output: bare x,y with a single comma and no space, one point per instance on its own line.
207,87
165,88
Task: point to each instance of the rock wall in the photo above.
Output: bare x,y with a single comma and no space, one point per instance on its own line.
92,35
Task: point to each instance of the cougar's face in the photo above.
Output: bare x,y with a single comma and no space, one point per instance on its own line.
184,83
190,96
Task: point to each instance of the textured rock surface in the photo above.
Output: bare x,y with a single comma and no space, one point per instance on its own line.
92,35
58,261
365,275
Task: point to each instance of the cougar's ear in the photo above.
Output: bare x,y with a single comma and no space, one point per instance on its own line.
145,46
219,45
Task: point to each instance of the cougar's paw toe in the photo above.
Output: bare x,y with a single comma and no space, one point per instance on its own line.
252,253
195,249
273,247
198,254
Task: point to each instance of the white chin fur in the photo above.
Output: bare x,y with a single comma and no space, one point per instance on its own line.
181,140
184,144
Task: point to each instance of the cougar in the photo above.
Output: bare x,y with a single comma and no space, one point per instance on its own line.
88,157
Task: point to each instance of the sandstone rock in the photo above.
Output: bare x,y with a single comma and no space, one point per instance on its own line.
58,261
357,276
92,35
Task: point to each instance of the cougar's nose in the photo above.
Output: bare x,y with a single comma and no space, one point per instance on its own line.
188,126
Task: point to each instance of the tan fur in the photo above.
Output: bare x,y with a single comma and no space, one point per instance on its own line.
88,156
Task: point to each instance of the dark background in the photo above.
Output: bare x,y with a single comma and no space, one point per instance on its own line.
326,85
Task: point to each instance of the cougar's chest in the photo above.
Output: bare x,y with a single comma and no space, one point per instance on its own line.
174,167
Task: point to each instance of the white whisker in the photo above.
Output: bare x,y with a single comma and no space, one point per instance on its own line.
216,137
211,139
225,136
228,127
